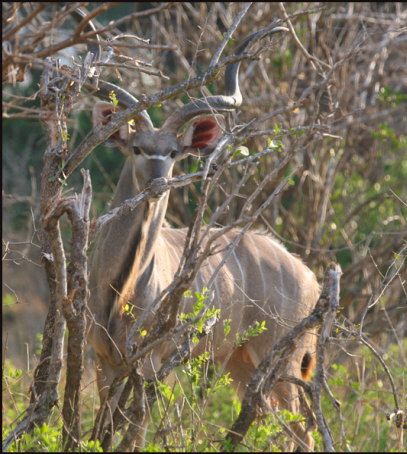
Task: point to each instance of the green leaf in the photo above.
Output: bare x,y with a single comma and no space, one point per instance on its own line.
113,98
273,143
253,331
9,299
241,150
226,326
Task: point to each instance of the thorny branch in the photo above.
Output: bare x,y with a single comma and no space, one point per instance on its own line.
18,59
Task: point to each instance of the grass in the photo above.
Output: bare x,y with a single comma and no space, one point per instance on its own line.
198,406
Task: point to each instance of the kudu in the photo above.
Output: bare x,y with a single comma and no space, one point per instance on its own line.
136,257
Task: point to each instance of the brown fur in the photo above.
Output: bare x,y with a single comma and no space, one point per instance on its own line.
307,365
259,281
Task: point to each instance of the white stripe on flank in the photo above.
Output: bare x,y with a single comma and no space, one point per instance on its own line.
281,289
259,266
240,269
211,270
175,252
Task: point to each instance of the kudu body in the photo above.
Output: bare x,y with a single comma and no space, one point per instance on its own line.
136,257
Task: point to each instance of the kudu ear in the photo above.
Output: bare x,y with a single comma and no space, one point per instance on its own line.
101,116
202,135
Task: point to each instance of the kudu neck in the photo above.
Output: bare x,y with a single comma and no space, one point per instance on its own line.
142,226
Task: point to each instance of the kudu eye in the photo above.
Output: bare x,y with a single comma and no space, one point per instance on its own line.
173,153
136,151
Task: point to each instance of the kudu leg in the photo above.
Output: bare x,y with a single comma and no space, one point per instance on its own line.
286,396
241,369
106,374
241,365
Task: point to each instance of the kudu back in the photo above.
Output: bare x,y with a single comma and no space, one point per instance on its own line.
136,256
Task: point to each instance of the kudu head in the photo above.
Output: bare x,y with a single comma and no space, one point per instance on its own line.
154,151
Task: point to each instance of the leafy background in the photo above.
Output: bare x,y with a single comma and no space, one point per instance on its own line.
347,203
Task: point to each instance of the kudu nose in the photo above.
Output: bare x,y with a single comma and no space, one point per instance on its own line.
157,169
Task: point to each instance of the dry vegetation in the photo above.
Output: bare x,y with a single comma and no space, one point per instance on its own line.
324,112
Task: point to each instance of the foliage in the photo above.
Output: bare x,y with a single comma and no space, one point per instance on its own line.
256,329
364,390
346,203
199,406
200,313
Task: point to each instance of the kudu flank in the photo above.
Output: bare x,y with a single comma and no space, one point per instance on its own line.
136,257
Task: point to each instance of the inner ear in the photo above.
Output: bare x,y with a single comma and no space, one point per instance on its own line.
102,112
202,135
